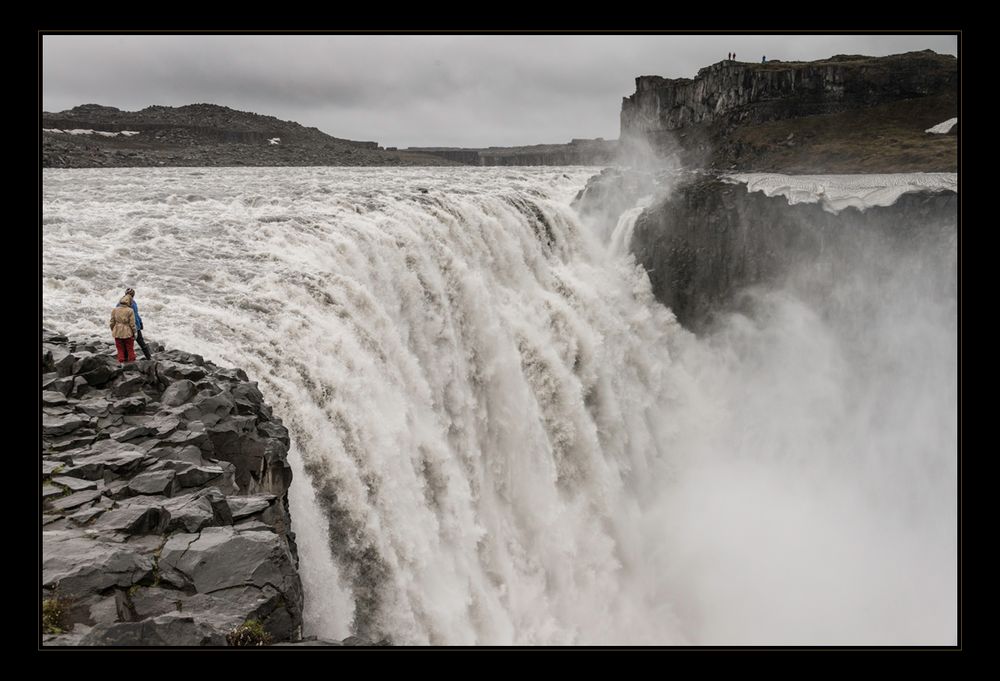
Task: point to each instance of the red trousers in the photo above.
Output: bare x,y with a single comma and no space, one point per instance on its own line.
126,349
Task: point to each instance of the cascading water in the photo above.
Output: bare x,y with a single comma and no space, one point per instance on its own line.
499,436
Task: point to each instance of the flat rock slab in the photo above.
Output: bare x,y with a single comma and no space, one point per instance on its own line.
172,629
61,425
155,482
51,491
75,484
242,507
82,565
132,433
75,500
220,558
53,398
135,519
196,476
49,467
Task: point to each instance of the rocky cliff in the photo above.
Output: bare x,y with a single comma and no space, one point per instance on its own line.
165,501
710,239
199,135
843,114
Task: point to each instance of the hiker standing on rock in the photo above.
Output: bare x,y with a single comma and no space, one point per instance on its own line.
123,329
138,324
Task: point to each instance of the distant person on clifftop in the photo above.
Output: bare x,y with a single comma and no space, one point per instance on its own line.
138,324
763,60
123,329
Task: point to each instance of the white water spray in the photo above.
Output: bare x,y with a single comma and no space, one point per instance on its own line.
498,435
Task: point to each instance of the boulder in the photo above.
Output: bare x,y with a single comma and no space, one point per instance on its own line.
135,519
129,405
154,482
178,393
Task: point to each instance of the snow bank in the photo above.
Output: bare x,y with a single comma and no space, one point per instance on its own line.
837,192
943,128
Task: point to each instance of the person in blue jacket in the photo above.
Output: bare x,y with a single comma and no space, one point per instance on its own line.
138,325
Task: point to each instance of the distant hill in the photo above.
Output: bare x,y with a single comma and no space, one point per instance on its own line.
92,135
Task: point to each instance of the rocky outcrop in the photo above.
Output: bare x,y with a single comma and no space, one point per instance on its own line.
710,239
199,135
165,501
840,97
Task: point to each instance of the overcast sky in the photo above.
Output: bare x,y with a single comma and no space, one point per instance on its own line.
425,90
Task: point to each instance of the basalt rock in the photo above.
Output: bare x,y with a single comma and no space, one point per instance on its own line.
147,469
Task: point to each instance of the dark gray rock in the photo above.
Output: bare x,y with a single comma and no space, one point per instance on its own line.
97,370
154,482
60,385
243,507
177,372
221,558
252,525
196,476
79,388
75,484
178,393
94,407
53,397
121,463
150,433
82,565
152,601
79,439
75,500
188,454
84,517
135,519
182,438
129,405
190,513
64,365
61,425
132,433
50,467
172,629
129,386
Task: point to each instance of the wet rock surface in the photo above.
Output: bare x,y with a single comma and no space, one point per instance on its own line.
165,501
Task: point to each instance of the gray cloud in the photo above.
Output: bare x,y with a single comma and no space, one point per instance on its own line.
452,90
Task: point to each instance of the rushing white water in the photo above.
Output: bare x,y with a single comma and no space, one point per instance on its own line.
500,437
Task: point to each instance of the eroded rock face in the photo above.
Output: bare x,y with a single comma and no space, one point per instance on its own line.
165,500
763,92
846,114
710,239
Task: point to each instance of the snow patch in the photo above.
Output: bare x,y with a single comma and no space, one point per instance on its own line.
275,140
837,192
103,133
943,128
